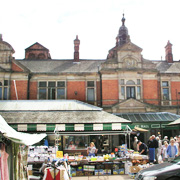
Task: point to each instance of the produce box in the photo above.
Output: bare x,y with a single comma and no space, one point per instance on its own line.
107,171
121,171
134,169
73,173
98,172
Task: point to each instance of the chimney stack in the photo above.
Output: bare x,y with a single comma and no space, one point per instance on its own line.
76,49
1,37
168,51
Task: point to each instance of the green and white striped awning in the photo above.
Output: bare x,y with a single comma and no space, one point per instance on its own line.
73,128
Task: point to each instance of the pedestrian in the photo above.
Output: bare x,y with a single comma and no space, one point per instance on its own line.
151,150
164,152
172,151
142,148
155,145
165,139
91,150
135,143
159,146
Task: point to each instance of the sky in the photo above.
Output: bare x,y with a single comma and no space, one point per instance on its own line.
55,24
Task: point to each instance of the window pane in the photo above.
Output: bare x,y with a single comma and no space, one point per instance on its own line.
42,84
122,82
138,92
5,93
6,83
130,82
51,93
165,94
51,84
42,93
138,81
122,91
90,84
61,84
61,93
0,92
130,92
90,94
0,83
165,84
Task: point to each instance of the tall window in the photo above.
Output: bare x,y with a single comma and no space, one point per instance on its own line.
4,90
165,90
90,91
130,89
52,90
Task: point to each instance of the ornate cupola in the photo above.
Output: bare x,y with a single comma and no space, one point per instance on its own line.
123,33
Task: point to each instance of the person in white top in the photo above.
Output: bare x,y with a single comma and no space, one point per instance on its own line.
164,152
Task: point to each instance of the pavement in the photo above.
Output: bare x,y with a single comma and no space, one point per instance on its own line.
111,177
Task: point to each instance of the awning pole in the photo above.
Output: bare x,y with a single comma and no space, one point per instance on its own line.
129,142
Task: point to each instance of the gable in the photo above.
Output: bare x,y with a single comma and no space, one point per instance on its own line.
130,47
36,46
130,105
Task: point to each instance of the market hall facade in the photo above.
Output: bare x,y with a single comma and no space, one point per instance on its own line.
124,82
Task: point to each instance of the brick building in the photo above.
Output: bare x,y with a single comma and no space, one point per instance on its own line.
125,82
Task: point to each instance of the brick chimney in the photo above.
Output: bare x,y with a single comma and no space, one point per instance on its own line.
168,50
76,49
1,39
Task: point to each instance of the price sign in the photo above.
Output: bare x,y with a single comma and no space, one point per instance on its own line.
59,154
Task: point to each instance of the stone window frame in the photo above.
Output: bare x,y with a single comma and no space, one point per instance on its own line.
4,87
56,87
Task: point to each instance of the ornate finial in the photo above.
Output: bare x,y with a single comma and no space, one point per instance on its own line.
123,20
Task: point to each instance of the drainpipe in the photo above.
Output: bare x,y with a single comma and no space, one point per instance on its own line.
28,86
100,81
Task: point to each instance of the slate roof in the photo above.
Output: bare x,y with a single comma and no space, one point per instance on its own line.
54,112
61,66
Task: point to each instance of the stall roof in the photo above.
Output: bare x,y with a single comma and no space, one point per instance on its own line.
19,137
46,105
176,122
148,117
55,111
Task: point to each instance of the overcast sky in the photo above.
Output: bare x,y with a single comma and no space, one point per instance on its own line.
55,24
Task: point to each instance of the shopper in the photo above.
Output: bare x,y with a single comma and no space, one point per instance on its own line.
155,145
91,150
172,151
164,152
142,148
151,150
135,143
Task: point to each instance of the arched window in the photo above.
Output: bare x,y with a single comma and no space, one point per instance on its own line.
41,56
31,56
130,82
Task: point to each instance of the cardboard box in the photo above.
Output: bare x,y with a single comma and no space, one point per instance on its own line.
88,173
79,173
121,171
73,173
98,172
115,172
107,171
132,175
134,169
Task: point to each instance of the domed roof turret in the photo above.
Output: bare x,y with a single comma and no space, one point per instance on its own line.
123,33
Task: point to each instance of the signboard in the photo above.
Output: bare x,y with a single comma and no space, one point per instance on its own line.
59,154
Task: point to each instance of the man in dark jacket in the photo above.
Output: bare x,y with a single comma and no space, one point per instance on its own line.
155,145
142,148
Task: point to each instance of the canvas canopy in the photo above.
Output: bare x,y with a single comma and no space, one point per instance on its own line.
19,137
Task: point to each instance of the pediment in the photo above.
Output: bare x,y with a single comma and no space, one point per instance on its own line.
130,105
130,47
36,46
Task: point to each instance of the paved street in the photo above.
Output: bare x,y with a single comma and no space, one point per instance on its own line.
112,177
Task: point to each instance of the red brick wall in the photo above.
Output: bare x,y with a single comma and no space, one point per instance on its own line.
175,88
33,90
110,92
78,86
16,68
150,91
21,87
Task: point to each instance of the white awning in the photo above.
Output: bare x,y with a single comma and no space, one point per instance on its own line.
19,137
